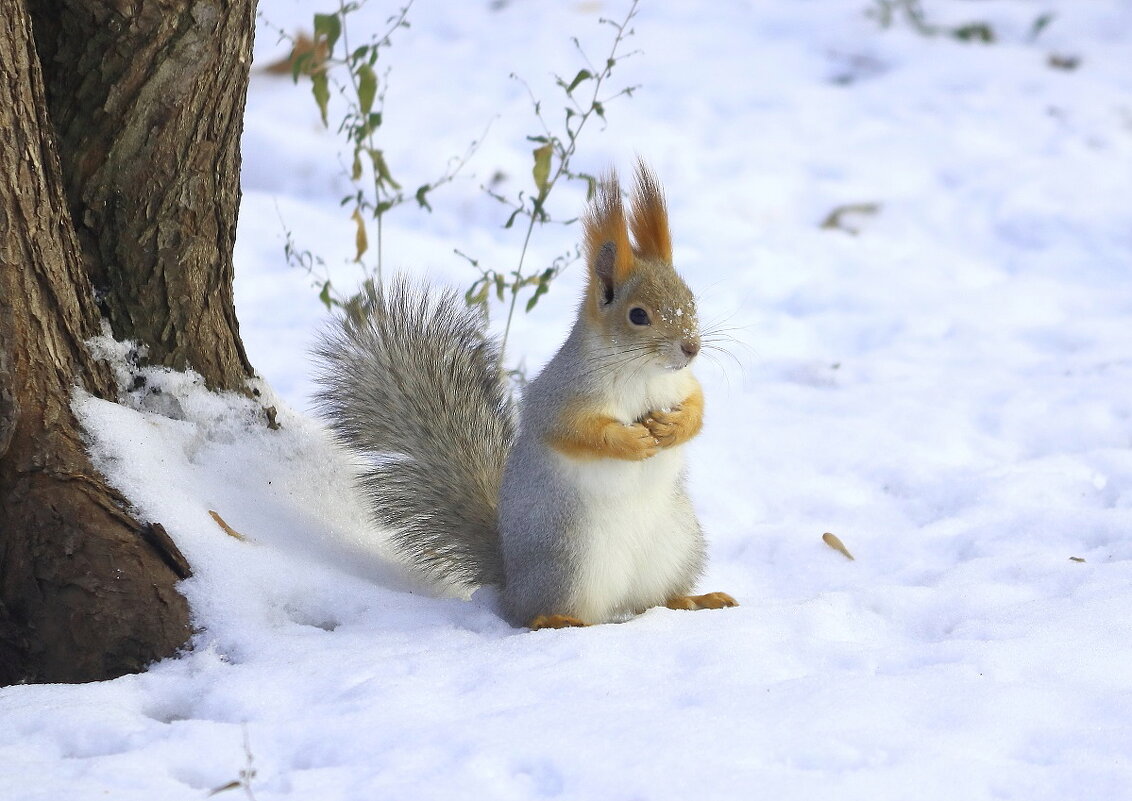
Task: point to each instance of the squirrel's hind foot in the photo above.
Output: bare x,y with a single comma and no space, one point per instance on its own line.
712,600
554,622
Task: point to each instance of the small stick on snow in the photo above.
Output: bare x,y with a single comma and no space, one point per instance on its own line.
231,532
836,544
835,220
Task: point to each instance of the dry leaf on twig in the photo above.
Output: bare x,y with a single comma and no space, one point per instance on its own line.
303,45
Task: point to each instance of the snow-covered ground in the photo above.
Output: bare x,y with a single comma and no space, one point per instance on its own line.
949,391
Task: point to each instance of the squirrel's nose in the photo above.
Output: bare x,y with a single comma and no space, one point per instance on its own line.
690,347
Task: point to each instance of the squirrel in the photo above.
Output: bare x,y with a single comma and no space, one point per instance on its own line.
578,510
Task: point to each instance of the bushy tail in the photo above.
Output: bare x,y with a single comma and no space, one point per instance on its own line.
410,380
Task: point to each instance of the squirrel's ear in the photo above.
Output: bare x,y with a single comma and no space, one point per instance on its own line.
649,217
608,254
603,268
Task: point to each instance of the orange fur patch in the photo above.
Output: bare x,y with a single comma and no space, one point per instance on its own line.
649,217
582,435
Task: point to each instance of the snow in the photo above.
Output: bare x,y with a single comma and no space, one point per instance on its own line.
949,391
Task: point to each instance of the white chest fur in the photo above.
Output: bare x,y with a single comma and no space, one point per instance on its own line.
629,397
638,530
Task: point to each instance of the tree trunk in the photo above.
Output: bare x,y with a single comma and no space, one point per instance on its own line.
134,213
83,594
147,99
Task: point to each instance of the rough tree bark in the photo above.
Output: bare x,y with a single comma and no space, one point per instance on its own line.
147,99
140,217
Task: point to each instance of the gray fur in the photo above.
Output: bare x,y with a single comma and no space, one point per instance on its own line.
540,555
410,380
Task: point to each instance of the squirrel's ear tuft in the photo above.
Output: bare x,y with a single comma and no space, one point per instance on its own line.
608,253
649,217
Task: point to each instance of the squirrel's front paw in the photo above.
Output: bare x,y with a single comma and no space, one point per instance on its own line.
665,426
638,442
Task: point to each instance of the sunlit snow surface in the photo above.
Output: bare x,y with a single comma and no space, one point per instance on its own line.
949,391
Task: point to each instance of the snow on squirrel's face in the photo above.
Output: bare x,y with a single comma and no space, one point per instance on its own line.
652,318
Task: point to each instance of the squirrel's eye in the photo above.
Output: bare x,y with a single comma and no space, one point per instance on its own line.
638,316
